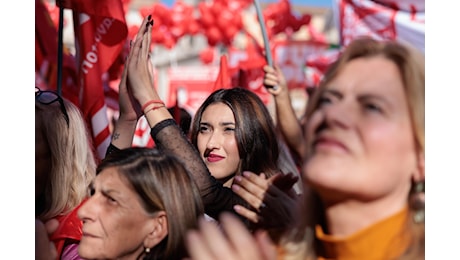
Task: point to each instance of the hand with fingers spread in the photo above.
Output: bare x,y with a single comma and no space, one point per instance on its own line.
234,243
273,200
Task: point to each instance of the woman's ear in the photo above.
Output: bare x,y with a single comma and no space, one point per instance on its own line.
419,174
158,227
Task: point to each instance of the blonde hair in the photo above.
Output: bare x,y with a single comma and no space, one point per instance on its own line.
73,164
300,243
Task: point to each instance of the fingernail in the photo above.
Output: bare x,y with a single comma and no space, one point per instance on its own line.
238,178
235,187
246,174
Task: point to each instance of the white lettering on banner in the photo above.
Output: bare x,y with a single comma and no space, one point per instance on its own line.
91,57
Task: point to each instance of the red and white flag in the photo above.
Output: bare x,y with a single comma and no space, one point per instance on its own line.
402,20
100,33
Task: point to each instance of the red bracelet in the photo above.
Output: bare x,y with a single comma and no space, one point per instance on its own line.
152,102
154,108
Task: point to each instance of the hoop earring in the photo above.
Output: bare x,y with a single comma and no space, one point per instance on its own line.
417,202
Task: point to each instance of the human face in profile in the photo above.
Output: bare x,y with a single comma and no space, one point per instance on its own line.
217,143
360,138
115,224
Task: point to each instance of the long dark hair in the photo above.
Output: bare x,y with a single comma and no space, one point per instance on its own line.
255,131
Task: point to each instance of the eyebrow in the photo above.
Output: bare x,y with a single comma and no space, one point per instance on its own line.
333,92
361,97
221,124
378,98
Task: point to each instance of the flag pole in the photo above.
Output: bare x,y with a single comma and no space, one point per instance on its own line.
268,52
260,17
59,56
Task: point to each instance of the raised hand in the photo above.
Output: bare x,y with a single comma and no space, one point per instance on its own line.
130,110
274,77
140,76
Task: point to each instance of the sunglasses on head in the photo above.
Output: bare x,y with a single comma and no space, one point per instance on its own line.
47,97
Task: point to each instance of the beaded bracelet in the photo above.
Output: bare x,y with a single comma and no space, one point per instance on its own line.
152,102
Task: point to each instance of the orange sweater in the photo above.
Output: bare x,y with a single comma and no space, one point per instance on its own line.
384,240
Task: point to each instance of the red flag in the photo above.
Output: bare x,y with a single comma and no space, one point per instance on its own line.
100,33
46,46
223,78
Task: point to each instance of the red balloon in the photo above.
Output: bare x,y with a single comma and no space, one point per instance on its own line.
177,31
214,35
230,32
207,19
169,42
193,27
157,36
207,55
217,8
160,10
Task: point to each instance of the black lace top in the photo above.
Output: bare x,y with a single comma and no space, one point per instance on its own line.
168,137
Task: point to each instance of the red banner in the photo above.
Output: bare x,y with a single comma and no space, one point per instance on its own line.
292,57
46,46
100,33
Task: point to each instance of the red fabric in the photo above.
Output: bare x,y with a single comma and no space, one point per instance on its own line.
402,20
223,78
46,46
70,229
100,33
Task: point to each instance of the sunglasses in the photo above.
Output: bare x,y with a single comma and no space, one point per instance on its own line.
47,97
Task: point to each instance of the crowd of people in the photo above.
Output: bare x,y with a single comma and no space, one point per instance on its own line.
226,189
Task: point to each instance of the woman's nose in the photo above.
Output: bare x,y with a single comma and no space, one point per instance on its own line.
339,114
214,141
87,210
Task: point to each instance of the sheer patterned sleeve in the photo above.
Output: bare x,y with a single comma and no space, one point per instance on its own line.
169,137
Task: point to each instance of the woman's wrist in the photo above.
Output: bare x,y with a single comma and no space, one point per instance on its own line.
127,120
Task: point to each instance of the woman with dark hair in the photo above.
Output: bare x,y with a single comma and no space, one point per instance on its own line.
232,132
236,119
